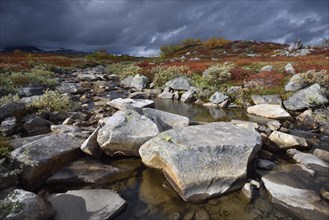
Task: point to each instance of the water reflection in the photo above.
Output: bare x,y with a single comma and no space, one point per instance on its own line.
199,112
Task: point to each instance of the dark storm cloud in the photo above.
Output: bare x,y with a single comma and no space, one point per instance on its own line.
141,26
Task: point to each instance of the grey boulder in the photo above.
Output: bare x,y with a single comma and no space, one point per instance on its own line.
139,82
218,98
268,111
296,82
309,97
21,204
41,158
266,99
126,130
203,161
87,204
130,103
179,83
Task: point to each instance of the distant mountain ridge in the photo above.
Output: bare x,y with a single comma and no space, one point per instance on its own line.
33,49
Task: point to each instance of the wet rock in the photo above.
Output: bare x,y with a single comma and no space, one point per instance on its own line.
188,96
307,120
90,146
322,154
176,95
153,92
289,68
31,91
139,95
266,99
179,83
87,171
8,126
12,109
43,157
267,68
293,194
265,154
127,130
307,159
309,97
8,178
248,191
20,204
71,88
130,103
126,82
87,204
195,159
269,111
139,82
218,97
324,191
295,83
201,214
265,164
37,125
285,141
166,95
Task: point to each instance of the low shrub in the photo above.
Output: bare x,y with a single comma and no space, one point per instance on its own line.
215,42
320,77
123,69
163,74
191,42
169,49
8,99
52,101
217,73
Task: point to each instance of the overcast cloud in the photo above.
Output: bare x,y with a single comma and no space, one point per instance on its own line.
139,27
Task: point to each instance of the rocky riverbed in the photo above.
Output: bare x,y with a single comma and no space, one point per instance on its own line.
130,151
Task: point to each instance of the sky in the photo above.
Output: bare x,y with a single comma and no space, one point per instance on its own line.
140,27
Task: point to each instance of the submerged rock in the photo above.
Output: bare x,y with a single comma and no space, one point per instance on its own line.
203,161
125,131
21,204
269,111
87,204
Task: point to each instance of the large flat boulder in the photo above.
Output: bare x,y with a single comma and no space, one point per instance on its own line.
21,204
203,161
268,111
41,158
87,204
293,194
120,103
305,98
125,131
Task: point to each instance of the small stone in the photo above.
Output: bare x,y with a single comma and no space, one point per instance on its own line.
322,154
285,141
290,69
267,68
265,164
166,95
8,126
274,125
248,191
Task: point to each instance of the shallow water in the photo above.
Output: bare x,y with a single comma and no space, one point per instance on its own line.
150,196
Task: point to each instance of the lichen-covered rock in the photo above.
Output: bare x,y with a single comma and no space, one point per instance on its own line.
41,158
203,161
309,97
21,204
139,82
37,125
266,99
218,98
125,131
295,83
179,83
